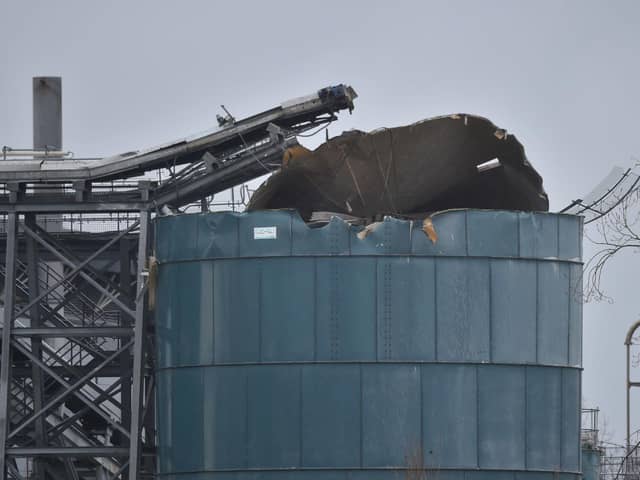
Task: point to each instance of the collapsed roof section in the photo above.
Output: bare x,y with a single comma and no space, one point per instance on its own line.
455,161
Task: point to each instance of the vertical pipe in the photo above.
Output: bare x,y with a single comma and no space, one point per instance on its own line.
628,345
138,352
47,133
5,362
47,113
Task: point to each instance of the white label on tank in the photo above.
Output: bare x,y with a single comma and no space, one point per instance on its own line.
265,233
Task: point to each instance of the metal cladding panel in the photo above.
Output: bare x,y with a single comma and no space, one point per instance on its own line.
165,403
236,311
450,415
293,352
501,417
462,309
569,244
274,417
538,235
331,428
370,416
334,239
274,241
575,315
215,427
390,414
343,293
184,327
513,311
452,235
287,309
178,238
501,240
406,309
392,236
571,393
187,430
461,233
224,417
217,236
553,313
544,417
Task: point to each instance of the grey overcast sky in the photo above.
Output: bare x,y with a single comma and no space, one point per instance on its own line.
561,75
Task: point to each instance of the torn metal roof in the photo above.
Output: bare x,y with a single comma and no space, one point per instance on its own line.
454,161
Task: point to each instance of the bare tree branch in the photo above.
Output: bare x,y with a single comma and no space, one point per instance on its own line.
616,231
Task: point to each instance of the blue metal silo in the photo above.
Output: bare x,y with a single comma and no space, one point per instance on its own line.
310,353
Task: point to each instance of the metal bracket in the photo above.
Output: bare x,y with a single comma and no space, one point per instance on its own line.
276,134
211,162
82,189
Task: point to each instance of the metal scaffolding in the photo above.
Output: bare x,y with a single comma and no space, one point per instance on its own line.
77,353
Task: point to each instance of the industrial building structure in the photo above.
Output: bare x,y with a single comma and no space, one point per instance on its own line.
141,342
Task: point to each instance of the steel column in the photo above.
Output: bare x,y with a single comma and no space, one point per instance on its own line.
37,378
138,348
628,341
5,362
125,358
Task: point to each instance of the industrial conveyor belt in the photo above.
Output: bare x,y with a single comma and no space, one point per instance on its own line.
239,151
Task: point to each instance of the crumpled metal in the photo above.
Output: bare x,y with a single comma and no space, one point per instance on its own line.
428,166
